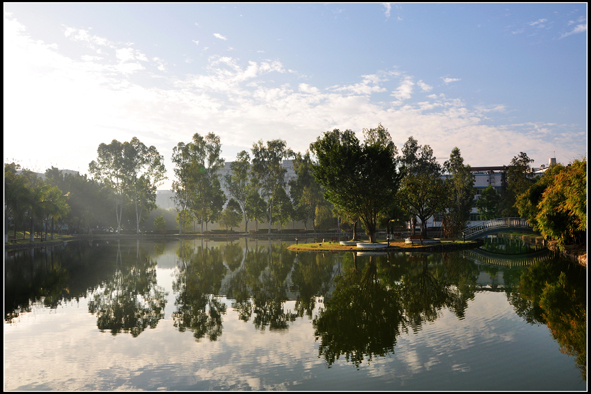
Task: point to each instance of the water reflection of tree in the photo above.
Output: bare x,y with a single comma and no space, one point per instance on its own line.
312,276
53,275
269,292
361,319
377,298
130,301
38,280
259,286
199,276
554,293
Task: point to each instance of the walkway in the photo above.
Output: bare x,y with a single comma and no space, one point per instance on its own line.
495,225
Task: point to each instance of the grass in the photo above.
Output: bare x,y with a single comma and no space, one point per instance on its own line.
25,238
336,246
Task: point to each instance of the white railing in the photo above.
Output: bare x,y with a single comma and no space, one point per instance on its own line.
495,223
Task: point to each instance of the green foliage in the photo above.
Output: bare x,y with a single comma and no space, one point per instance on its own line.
488,203
421,191
133,171
237,182
519,177
359,179
283,207
159,223
197,187
268,175
324,219
184,220
562,210
231,215
256,207
305,192
460,194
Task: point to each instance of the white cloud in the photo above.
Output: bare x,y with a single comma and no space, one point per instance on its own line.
160,63
369,85
539,22
449,80
239,101
196,42
404,91
388,7
424,86
305,88
217,35
576,30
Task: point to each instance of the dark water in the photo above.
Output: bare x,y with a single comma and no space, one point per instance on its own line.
251,315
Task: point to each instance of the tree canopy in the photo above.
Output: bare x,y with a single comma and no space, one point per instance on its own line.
358,178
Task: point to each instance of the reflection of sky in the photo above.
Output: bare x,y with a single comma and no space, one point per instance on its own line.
491,349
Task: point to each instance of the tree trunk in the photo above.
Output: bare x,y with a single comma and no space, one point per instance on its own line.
354,238
32,233
270,215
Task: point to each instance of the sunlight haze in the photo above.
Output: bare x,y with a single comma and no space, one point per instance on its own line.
492,79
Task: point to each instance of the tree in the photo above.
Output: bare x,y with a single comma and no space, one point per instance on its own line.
237,182
563,208
255,206
184,220
209,198
16,195
184,158
132,170
421,190
305,192
422,195
527,202
159,223
488,203
324,218
360,179
54,206
460,194
109,168
284,207
217,199
267,171
231,215
519,177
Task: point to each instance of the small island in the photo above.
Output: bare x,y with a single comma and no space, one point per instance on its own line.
395,245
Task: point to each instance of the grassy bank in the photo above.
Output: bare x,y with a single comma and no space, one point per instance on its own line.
394,245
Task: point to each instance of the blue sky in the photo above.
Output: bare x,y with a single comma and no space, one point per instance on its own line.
492,79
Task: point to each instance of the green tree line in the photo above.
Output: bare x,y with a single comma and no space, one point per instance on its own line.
340,180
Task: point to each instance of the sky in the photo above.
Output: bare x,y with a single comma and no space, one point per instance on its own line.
493,79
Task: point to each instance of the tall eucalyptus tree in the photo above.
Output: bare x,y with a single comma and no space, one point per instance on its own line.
268,173
197,185
132,170
237,182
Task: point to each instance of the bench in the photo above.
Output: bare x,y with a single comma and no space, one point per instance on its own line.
416,237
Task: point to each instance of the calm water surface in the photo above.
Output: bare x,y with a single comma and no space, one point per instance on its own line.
251,315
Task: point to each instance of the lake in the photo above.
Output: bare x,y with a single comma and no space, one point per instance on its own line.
249,314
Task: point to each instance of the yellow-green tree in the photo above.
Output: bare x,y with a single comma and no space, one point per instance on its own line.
563,208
